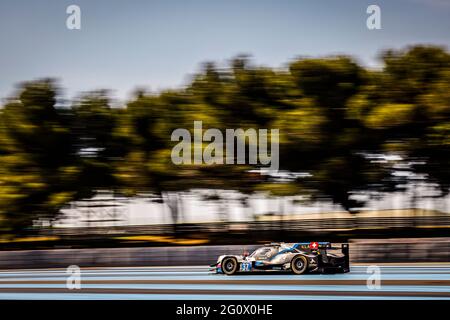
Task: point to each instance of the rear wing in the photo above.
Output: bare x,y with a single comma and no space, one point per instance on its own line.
313,245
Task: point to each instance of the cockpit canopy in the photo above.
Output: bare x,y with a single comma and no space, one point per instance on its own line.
268,251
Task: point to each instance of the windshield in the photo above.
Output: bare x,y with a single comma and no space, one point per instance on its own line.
264,253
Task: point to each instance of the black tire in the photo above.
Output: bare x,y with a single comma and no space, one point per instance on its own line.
229,266
299,265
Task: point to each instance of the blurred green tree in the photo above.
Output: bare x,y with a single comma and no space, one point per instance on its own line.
39,168
339,125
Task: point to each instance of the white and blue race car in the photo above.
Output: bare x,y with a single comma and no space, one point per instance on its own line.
298,258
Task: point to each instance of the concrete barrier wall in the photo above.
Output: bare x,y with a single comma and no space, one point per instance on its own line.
401,250
117,257
369,251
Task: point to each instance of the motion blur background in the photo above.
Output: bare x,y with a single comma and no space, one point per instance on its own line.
87,116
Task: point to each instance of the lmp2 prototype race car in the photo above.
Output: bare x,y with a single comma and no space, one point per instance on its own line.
299,258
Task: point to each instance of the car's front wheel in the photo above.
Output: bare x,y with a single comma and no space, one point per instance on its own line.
229,266
299,264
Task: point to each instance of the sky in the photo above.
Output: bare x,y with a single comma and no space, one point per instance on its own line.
159,44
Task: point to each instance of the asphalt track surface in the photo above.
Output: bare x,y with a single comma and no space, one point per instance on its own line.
405,282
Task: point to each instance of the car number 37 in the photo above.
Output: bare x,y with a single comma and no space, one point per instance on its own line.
246,266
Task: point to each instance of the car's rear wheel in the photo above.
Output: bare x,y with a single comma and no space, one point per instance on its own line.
229,266
299,264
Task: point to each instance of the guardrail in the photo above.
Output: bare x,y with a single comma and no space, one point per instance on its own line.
302,224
